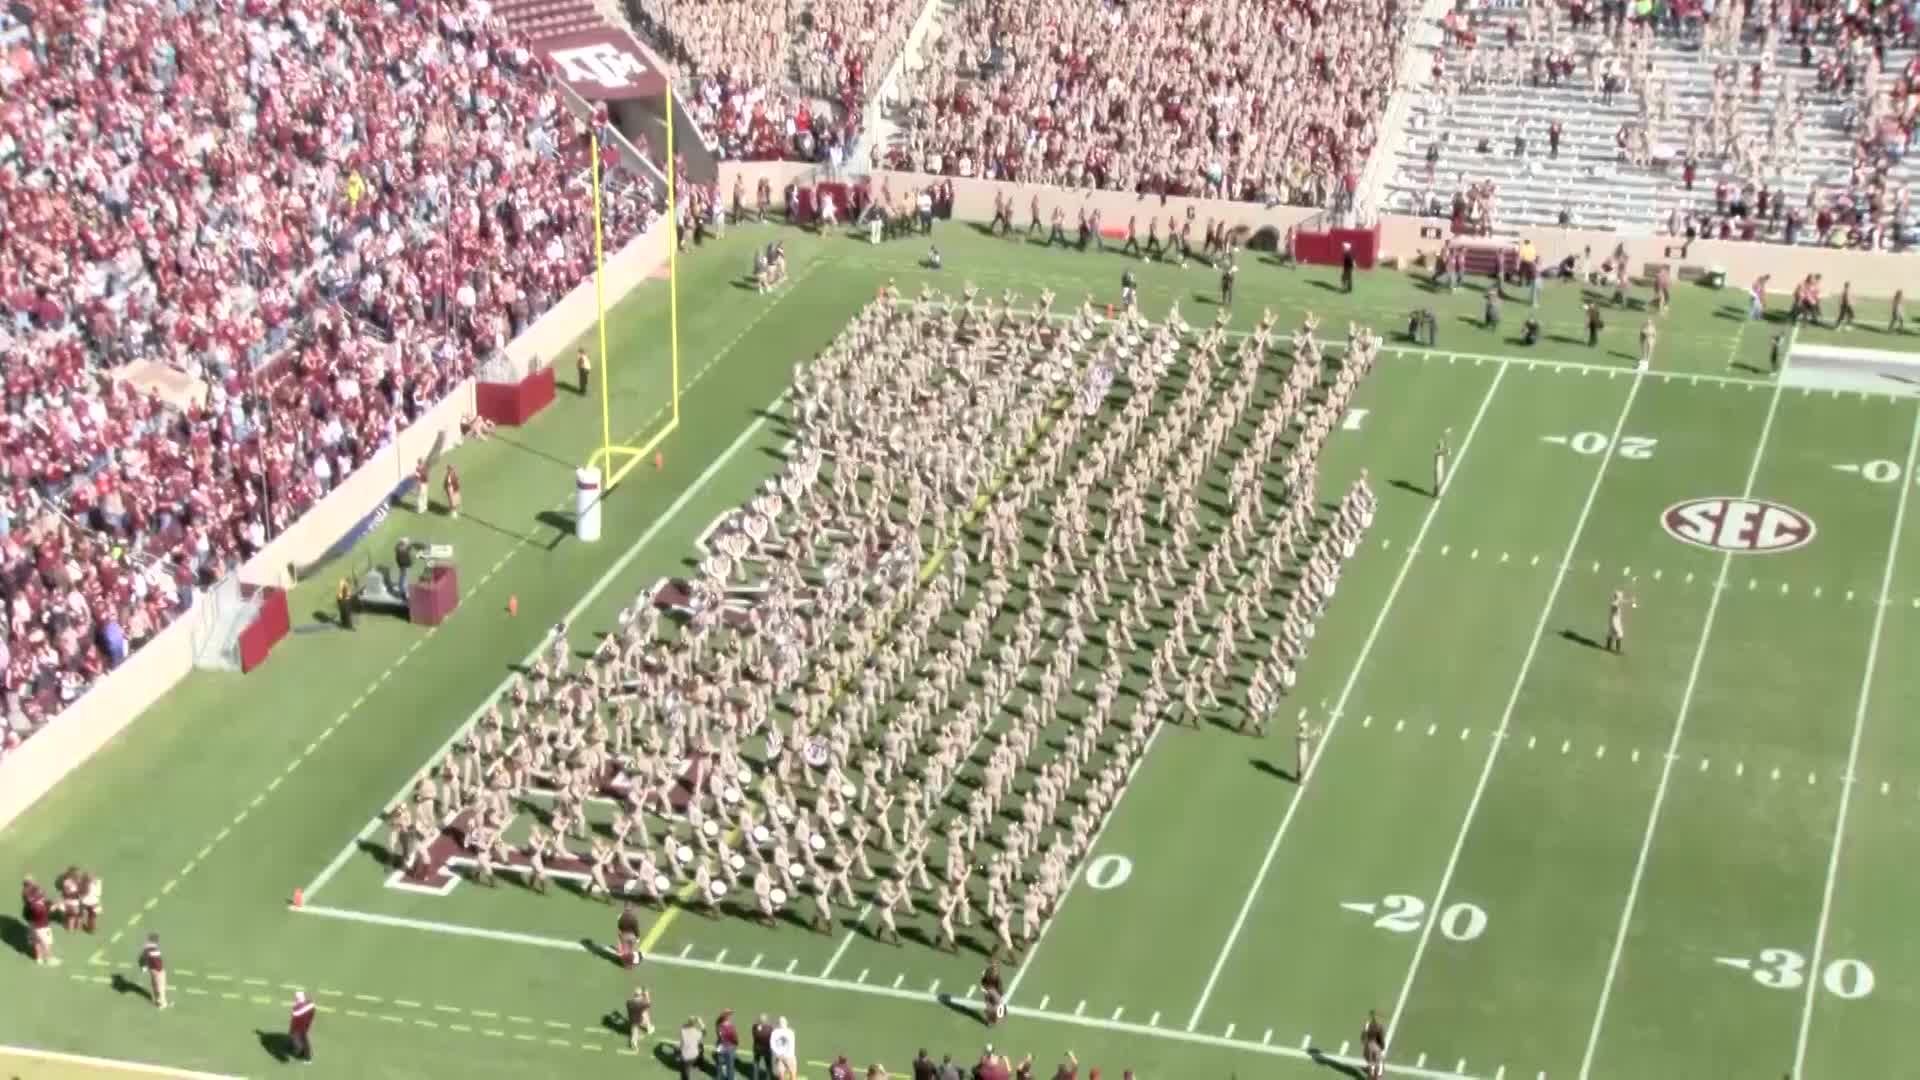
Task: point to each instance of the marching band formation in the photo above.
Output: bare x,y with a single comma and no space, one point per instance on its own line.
908,658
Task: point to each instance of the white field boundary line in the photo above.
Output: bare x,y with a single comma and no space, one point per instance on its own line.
1513,700
1339,707
772,974
619,567
1673,749
1026,962
1853,760
116,1064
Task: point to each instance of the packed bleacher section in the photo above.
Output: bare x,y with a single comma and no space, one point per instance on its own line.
1785,122
1245,99
323,213
775,80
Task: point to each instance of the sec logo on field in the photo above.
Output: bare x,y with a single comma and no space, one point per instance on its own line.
1738,526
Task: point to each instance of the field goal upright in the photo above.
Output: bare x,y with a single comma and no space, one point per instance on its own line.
616,459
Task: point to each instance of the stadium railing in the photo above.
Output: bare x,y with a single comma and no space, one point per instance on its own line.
119,698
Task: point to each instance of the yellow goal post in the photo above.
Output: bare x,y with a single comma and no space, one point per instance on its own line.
616,460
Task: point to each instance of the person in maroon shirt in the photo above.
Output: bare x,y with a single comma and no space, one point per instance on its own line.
40,923
300,1027
840,1070
155,966
628,927
992,1067
726,1045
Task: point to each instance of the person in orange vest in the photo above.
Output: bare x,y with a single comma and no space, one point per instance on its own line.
422,476
584,368
452,484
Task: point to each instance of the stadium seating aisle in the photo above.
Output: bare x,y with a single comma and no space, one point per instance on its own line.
1818,107
1159,95
320,215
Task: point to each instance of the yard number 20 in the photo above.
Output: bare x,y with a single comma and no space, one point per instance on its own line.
1403,915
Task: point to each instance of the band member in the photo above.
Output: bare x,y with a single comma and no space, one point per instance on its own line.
343,602
1616,620
300,1027
1303,745
452,485
1132,246
583,367
639,1017
1373,1046
155,966
992,992
1648,336
1226,284
628,929
90,901
1440,453
422,479
1897,321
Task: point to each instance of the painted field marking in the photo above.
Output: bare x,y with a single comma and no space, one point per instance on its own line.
619,567
1853,758
929,996
1673,747
114,1064
1339,707
1513,700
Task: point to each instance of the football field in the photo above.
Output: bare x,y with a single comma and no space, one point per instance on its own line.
1532,855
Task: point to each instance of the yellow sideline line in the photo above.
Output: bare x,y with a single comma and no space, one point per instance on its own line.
83,1060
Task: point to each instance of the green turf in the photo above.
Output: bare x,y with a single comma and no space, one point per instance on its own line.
234,790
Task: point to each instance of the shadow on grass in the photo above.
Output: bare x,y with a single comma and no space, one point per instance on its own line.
1410,487
1275,771
1321,1058
277,1044
530,449
977,1015
1579,638
123,985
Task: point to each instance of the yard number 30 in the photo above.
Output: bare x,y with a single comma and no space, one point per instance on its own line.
1784,969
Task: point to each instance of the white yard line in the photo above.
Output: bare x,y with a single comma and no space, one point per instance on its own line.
1026,962
1513,699
1333,720
1853,760
619,567
1673,749
873,989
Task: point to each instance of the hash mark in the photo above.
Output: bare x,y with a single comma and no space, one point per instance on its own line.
1636,753
902,977
1230,1031
791,964
1531,739
1431,728
1600,751
1044,998
1080,1009
686,949
1306,1041
1421,1062
1739,768
862,977
1776,772
1566,746
720,957
1267,1039
1343,1047
1399,725
1154,1020
1884,787
1703,764
1118,1011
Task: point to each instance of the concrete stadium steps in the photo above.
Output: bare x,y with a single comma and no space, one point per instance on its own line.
1588,178
552,18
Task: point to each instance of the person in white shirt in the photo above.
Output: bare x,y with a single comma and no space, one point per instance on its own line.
786,1053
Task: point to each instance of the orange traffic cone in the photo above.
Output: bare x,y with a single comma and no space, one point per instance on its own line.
659,461
513,604
299,897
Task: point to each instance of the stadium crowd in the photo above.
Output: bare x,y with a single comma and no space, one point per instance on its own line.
323,215
745,56
1158,96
